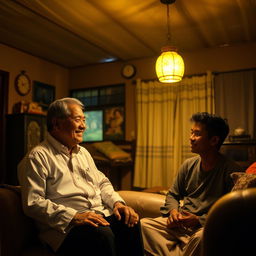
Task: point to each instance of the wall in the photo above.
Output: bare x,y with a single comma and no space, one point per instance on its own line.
13,61
214,59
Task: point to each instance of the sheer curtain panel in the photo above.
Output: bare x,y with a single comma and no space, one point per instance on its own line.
163,127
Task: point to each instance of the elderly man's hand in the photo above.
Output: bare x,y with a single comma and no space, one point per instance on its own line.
89,218
131,217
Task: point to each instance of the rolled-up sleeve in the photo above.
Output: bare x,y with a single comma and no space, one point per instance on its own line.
175,194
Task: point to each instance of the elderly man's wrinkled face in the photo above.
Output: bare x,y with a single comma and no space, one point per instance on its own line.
71,129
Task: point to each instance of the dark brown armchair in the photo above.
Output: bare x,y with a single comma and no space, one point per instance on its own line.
230,226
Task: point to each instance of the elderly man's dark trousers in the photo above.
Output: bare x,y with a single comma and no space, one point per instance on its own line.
114,240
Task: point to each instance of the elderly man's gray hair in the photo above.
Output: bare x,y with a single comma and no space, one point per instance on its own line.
59,109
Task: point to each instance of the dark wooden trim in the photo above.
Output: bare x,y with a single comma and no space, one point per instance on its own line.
4,82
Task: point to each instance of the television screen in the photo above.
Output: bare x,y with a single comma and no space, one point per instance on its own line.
94,131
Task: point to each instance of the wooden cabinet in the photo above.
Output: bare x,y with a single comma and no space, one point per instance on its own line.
23,132
244,153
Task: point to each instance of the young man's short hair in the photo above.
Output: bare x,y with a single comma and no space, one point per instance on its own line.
214,125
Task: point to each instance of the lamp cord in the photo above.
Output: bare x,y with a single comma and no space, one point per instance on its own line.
168,26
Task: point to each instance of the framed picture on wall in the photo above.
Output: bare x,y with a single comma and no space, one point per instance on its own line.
43,94
114,123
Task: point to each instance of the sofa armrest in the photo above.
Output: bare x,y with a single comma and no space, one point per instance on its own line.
18,233
230,224
17,229
145,204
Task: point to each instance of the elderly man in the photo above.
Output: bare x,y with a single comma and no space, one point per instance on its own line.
201,181
74,204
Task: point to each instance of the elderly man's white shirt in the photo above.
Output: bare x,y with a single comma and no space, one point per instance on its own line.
57,185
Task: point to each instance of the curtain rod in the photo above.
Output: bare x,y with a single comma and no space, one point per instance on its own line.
155,79
233,71
201,74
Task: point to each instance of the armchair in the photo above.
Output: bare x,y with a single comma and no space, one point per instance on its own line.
230,225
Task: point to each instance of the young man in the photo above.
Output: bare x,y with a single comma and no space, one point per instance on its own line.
74,205
200,182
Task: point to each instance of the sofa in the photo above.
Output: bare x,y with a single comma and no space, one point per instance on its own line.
18,235
230,225
228,228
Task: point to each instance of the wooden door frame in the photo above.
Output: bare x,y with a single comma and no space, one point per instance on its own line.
4,82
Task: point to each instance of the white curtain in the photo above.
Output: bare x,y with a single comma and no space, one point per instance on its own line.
235,99
163,127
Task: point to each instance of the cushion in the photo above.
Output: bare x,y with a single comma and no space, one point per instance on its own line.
251,168
111,150
243,180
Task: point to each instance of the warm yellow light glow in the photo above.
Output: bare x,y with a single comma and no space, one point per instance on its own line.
169,66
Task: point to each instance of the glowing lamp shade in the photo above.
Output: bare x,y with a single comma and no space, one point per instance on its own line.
169,66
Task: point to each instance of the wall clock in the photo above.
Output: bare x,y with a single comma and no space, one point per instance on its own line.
22,83
128,71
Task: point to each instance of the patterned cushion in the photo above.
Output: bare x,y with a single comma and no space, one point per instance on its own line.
243,180
251,168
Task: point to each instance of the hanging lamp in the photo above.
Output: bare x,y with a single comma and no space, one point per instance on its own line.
169,65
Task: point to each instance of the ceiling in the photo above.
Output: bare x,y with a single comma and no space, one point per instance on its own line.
74,33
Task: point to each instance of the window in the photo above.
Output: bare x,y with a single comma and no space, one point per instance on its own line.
104,111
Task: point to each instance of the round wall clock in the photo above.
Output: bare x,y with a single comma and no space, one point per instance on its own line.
128,71
22,83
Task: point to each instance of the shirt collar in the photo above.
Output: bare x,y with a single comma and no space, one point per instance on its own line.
59,146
